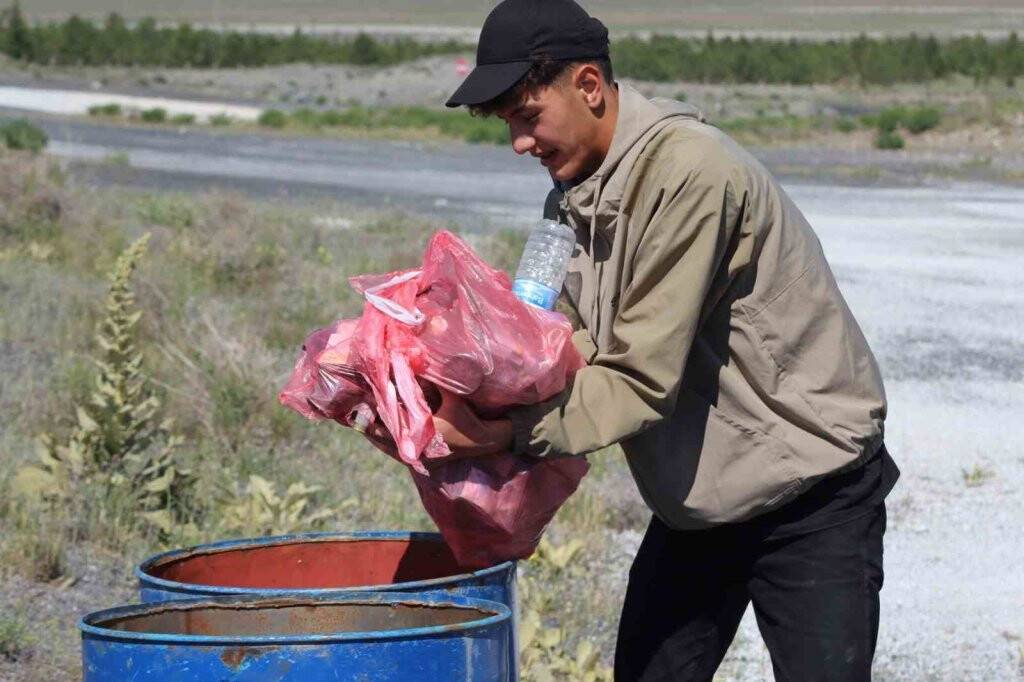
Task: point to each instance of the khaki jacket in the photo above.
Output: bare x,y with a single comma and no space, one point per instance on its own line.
721,354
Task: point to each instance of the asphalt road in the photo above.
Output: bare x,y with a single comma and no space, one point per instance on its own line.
476,185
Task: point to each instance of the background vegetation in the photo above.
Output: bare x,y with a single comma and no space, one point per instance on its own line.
864,60
150,335
78,41
861,60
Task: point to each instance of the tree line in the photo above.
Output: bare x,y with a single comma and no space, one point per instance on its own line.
863,60
80,42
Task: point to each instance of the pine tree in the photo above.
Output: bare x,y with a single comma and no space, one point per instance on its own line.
19,37
1012,60
366,51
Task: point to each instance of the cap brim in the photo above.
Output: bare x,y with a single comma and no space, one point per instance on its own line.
486,82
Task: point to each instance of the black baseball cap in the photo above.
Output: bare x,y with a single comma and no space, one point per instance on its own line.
516,33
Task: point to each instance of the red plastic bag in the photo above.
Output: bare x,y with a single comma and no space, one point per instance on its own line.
454,323
322,385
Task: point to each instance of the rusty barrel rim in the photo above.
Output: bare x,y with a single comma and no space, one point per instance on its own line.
91,626
148,580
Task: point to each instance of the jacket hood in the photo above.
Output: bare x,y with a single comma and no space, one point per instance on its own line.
638,119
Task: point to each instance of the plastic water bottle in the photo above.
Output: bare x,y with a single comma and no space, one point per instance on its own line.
544,263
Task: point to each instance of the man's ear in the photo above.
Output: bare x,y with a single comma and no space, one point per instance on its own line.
588,82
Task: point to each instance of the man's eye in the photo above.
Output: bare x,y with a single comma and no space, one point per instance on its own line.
532,117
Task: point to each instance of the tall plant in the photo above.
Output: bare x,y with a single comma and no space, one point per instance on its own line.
118,440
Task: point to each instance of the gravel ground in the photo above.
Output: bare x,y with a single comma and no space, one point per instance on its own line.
100,582
933,276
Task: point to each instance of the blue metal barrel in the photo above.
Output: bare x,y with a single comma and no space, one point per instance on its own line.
327,565
380,636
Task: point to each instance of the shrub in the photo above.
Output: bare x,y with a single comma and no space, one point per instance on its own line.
306,117
543,649
922,119
15,640
21,134
166,209
112,109
890,119
33,542
259,509
155,115
846,125
273,118
183,119
331,118
889,139
220,120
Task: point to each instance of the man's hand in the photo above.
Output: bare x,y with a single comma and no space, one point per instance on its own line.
378,434
467,434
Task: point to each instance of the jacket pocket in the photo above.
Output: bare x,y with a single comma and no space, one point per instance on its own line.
791,330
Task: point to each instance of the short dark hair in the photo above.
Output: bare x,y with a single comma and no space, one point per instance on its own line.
542,73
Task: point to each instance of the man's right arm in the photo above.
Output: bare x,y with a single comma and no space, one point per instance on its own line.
686,226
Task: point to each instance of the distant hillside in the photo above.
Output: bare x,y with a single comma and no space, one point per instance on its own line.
791,16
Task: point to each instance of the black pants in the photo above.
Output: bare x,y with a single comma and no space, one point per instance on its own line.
815,596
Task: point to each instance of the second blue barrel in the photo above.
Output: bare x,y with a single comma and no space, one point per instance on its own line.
327,565
385,637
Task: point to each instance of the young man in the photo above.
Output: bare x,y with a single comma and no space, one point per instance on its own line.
721,355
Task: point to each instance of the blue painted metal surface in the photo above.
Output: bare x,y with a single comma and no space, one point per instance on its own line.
476,649
495,583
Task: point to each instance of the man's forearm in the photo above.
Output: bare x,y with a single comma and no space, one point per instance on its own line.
500,431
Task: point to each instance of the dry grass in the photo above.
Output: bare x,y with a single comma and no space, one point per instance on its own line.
228,290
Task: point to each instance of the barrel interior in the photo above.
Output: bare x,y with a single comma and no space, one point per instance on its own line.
290,618
313,564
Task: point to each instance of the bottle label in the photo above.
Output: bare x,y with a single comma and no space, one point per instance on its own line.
534,293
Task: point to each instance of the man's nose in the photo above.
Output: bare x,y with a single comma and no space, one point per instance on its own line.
522,141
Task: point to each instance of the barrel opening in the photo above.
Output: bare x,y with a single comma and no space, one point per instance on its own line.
312,564
290,618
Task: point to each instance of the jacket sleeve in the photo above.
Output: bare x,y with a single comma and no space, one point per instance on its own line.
686,224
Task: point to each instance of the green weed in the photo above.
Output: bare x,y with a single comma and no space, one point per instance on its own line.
845,124
889,139
118,160
111,110
273,118
914,120
16,641
976,475
34,542
155,115
260,508
452,124
543,647
20,134
922,119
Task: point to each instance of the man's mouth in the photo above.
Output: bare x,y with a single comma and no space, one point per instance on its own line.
546,159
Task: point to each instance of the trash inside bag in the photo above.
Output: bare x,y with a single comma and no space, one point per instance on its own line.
453,323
